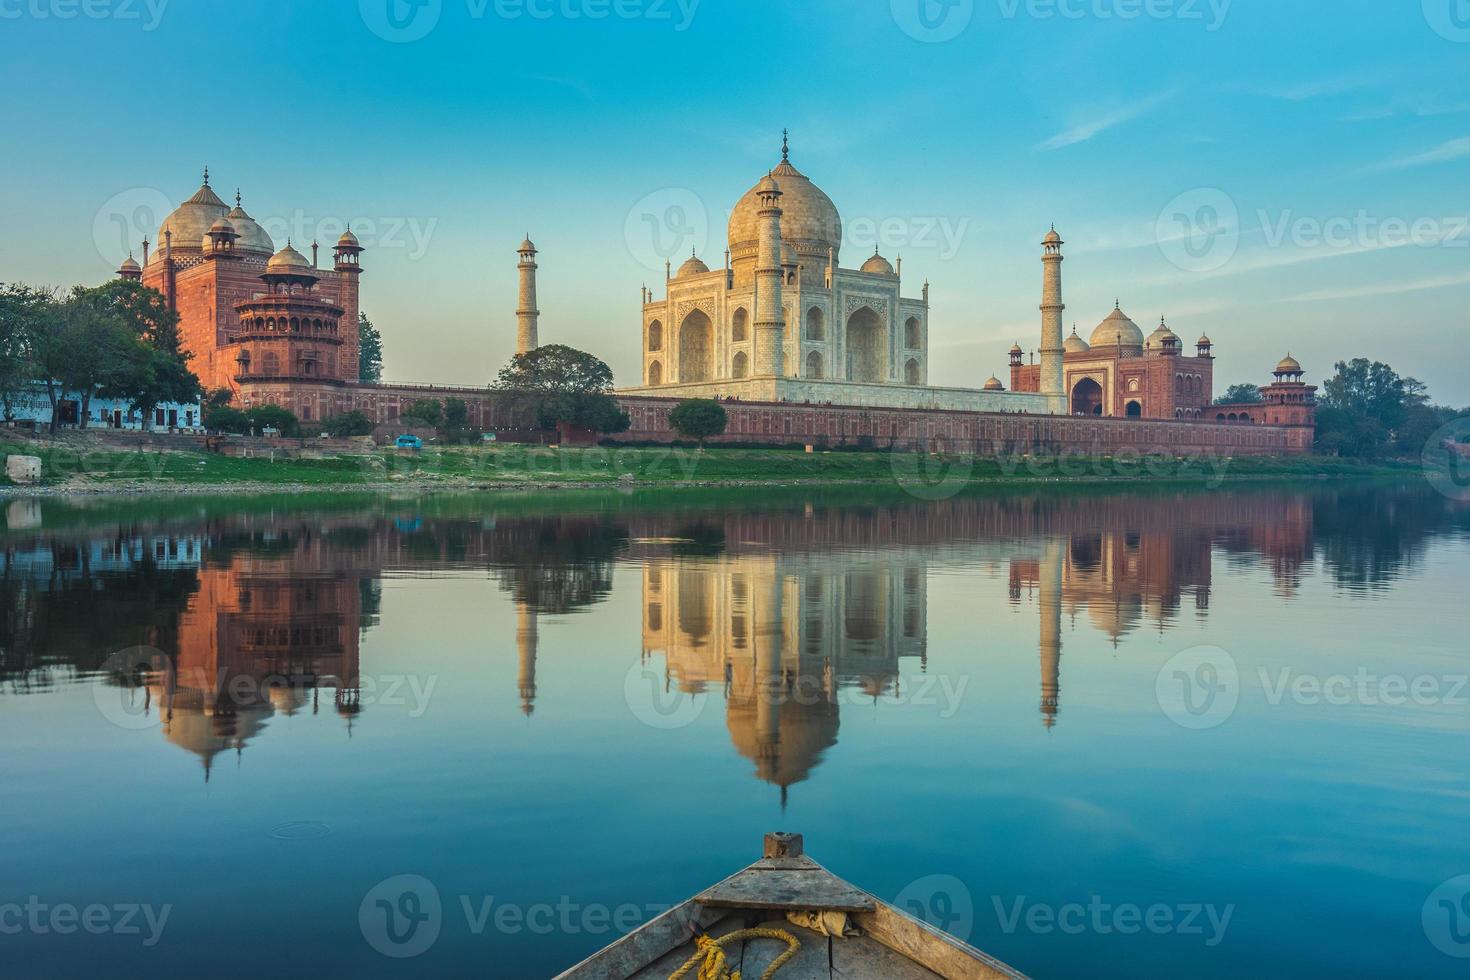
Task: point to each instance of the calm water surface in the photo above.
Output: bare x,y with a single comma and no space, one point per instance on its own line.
1197,734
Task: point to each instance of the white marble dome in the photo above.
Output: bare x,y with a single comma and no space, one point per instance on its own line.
878,265
190,222
1117,331
809,219
253,238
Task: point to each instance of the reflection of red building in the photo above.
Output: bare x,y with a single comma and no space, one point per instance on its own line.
261,636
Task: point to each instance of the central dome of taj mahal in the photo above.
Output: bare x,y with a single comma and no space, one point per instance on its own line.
809,222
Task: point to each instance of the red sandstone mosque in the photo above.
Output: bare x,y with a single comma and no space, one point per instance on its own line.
275,327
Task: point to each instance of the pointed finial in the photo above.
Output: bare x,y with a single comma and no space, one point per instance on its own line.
1117,304
785,145
206,175
694,252
237,197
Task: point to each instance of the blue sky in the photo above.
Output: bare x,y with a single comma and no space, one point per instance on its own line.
1279,175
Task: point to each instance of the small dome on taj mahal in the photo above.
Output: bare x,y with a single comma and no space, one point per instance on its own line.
1052,238
349,240
878,265
993,384
1016,349
1289,365
526,244
1075,344
693,266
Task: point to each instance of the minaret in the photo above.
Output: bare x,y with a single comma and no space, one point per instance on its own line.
769,320
526,312
1051,314
526,647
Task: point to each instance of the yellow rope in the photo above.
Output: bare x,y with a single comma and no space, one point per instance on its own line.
715,965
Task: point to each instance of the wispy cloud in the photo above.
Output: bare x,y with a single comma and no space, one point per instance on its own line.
1313,88
1086,130
1380,289
1456,149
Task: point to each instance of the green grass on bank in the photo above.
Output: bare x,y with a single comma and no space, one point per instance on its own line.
72,465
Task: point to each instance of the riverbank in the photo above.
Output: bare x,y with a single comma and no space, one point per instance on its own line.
79,467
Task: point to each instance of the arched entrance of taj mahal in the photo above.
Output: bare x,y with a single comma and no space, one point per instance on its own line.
696,347
867,346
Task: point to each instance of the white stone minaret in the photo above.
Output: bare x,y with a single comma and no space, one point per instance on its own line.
1051,315
770,323
526,312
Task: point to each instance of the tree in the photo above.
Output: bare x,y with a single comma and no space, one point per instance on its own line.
456,426
1240,394
1363,405
24,311
218,397
350,423
556,369
430,411
699,418
273,416
369,351
86,348
562,384
223,418
152,370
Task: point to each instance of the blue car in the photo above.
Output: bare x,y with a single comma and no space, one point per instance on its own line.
409,442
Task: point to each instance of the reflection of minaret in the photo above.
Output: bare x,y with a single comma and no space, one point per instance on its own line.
1050,593
768,692
526,646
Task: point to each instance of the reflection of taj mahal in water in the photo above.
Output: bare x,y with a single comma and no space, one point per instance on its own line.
789,616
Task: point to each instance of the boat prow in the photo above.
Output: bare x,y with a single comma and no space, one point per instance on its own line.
788,907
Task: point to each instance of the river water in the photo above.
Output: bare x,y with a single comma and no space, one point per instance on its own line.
1157,733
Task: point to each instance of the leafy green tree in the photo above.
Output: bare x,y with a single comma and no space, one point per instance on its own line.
274,416
350,423
556,383
223,418
699,418
369,351
218,397
85,348
1240,394
24,312
430,411
556,369
157,370
1362,406
456,428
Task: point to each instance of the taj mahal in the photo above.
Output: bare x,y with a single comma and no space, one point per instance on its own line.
784,322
